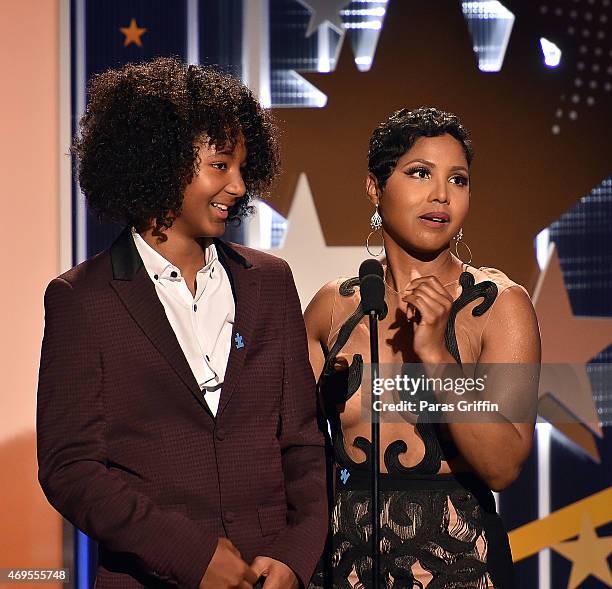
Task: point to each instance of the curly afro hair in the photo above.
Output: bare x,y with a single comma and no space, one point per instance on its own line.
137,145
394,137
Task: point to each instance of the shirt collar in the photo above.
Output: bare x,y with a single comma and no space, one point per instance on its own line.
159,268
211,257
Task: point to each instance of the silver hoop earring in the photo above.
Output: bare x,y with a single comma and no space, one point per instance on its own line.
459,239
375,224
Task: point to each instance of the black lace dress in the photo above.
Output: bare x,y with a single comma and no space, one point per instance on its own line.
437,530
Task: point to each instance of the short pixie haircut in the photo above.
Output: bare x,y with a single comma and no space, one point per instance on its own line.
137,145
394,137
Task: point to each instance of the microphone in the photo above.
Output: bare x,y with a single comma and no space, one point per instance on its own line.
372,287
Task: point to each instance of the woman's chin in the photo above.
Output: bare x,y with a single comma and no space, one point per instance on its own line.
424,252
427,247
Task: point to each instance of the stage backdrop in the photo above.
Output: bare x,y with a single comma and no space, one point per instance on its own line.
532,80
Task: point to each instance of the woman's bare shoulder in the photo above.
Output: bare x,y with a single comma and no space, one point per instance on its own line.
511,330
501,279
318,313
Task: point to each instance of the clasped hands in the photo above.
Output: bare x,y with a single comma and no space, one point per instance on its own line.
227,570
428,305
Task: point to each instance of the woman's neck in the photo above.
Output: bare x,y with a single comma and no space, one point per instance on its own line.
403,266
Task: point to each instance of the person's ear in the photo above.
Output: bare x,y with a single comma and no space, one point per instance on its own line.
372,189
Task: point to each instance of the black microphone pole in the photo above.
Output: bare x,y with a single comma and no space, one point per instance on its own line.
372,290
375,454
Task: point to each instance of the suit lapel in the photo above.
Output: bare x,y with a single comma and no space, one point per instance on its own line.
246,286
135,289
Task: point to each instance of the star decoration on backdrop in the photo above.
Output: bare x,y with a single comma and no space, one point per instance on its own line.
324,11
304,232
569,341
414,70
588,554
560,525
133,34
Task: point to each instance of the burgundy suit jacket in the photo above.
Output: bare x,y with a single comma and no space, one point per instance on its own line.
128,450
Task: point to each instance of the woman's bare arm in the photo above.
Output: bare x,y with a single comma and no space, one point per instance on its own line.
318,318
497,451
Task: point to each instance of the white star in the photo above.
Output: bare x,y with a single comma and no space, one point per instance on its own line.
322,11
312,261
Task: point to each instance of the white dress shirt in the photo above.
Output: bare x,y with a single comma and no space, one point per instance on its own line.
202,323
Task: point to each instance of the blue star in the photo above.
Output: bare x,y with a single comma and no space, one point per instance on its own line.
239,341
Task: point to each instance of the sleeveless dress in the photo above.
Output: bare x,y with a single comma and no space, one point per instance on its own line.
438,529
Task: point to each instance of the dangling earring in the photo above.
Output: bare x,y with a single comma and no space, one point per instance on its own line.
375,224
458,239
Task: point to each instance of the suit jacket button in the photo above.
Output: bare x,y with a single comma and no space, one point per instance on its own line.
229,517
220,434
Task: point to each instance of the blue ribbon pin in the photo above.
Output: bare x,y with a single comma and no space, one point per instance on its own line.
239,341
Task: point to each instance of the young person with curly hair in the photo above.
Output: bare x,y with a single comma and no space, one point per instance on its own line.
438,522
176,405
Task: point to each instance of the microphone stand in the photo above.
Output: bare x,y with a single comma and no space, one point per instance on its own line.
372,290
375,453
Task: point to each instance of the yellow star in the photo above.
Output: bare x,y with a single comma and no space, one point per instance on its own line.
589,555
560,525
132,34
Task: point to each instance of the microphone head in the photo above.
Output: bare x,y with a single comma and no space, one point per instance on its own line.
370,266
372,287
